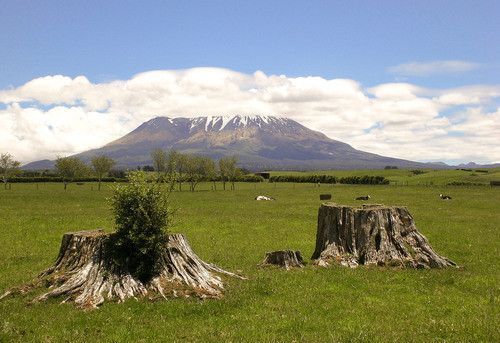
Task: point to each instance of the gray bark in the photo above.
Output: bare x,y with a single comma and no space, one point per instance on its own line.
372,235
82,274
284,258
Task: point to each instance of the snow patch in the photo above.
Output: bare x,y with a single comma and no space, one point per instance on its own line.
212,122
225,121
209,121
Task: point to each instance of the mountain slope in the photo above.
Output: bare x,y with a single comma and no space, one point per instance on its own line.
260,142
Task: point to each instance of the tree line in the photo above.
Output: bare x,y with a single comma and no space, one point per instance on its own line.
68,169
365,180
171,167
174,168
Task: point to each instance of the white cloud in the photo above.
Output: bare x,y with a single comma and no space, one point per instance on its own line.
60,115
434,67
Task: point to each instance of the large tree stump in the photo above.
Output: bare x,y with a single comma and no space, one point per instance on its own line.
372,235
284,258
84,274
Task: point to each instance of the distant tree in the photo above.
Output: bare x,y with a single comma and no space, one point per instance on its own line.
194,170
245,171
8,167
172,174
159,157
417,171
181,167
228,170
223,171
209,171
147,168
235,174
101,166
70,168
118,173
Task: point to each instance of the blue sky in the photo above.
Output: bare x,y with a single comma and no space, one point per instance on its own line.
418,80
335,39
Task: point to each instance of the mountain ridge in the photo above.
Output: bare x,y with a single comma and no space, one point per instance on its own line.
260,142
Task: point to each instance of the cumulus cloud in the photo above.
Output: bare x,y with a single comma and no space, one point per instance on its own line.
432,68
59,115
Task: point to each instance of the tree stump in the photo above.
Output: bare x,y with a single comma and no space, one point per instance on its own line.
372,235
83,273
284,258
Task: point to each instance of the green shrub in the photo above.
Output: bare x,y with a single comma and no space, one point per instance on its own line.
141,217
365,180
250,178
304,178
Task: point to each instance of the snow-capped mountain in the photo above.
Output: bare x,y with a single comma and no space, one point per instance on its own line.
259,142
223,123
219,123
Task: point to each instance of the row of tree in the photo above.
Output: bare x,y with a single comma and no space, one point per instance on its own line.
171,167
365,180
175,167
70,168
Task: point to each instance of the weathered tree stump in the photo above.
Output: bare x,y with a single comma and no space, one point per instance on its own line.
83,273
284,258
372,235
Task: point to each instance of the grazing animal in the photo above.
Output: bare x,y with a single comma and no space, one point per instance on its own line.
263,197
366,197
444,197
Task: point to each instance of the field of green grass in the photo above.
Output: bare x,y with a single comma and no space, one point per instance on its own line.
232,230
406,177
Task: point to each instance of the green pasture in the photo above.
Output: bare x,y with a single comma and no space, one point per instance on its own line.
429,177
232,230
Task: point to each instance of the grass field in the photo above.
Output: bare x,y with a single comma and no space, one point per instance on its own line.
234,231
406,177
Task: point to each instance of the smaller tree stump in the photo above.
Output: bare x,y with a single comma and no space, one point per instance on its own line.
284,258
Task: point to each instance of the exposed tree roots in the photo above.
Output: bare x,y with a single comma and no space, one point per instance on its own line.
84,275
372,235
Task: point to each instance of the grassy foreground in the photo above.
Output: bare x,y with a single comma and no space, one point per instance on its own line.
234,231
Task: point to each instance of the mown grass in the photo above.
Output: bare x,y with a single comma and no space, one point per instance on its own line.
234,231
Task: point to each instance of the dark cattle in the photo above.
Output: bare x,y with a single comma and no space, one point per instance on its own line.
444,197
325,197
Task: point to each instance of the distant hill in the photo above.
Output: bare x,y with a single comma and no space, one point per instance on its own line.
472,165
260,142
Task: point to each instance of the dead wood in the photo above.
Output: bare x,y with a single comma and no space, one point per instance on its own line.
83,274
284,258
372,235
